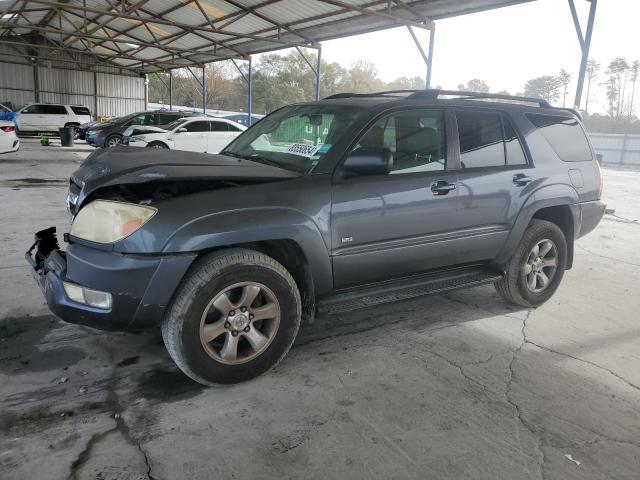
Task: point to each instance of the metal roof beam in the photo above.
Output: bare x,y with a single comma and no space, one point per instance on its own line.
418,23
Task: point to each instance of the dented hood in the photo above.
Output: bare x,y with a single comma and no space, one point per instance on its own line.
131,165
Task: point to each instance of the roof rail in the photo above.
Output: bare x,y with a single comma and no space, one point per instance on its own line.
434,94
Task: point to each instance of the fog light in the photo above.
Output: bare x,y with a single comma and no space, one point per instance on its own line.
93,298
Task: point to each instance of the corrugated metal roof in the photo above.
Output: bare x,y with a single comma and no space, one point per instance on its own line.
158,35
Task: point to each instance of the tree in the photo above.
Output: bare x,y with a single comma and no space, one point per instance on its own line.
616,86
474,85
564,78
593,67
546,87
635,71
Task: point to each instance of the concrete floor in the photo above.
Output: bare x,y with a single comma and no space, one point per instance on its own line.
451,386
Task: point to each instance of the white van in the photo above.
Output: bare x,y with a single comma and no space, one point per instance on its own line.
49,117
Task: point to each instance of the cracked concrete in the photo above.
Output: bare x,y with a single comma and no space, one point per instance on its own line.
454,386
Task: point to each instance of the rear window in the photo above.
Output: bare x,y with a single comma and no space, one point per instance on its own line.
565,135
81,110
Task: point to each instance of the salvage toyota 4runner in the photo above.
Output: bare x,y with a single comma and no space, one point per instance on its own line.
328,206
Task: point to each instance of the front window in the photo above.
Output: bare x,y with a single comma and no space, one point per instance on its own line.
295,138
175,124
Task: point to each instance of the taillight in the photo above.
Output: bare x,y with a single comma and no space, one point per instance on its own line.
601,180
8,129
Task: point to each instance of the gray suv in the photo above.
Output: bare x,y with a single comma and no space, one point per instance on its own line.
320,208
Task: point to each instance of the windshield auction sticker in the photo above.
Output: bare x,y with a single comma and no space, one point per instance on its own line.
302,149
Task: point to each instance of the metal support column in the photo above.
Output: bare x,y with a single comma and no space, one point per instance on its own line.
170,89
204,91
315,69
318,72
428,58
585,44
250,92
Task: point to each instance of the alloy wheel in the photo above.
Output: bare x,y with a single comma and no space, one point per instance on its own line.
239,323
541,265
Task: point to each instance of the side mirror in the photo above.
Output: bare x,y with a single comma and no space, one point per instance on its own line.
182,130
369,161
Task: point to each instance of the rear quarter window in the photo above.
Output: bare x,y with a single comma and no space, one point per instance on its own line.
565,135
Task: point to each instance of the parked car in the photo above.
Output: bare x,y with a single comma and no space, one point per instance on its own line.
193,134
49,117
111,133
9,141
243,118
328,206
81,131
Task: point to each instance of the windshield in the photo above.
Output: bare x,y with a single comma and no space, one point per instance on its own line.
295,138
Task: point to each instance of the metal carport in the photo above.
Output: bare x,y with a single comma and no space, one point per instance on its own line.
147,36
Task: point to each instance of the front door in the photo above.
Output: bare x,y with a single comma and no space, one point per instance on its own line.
194,139
397,224
491,183
32,118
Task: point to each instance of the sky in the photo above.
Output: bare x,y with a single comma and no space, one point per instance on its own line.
503,47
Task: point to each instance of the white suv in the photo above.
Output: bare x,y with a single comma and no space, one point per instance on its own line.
49,117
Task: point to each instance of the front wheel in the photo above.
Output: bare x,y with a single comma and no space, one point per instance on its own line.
158,145
235,315
113,141
537,267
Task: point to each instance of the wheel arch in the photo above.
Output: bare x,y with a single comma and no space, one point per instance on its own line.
158,142
554,203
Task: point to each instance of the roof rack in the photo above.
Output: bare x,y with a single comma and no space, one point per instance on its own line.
434,94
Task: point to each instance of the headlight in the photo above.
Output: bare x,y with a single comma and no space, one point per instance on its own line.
105,221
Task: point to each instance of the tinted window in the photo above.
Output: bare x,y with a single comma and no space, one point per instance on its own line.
219,126
565,135
232,128
481,143
165,118
416,139
55,110
34,109
144,119
197,126
81,110
515,153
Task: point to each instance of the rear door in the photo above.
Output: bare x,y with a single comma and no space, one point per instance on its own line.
55,117
194,139
402,223
494,172
220,135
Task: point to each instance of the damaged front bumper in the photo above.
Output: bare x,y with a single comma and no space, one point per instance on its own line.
139,287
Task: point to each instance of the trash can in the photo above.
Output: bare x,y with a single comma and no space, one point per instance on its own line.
66,136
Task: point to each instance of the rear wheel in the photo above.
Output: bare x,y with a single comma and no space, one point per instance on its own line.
537,267
113,141
235,315
158,145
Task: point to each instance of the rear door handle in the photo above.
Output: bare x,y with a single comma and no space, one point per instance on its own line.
442,187
520,179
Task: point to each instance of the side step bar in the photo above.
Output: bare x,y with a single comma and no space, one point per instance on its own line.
405,288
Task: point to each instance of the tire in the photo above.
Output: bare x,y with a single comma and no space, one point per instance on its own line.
516,286
159,145
76,131
113,141
199,304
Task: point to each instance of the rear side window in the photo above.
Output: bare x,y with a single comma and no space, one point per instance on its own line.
55,110
481,142
513,147
197,127
565,135
81,110
219,127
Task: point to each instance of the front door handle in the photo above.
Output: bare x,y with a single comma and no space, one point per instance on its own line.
442,187
521,179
